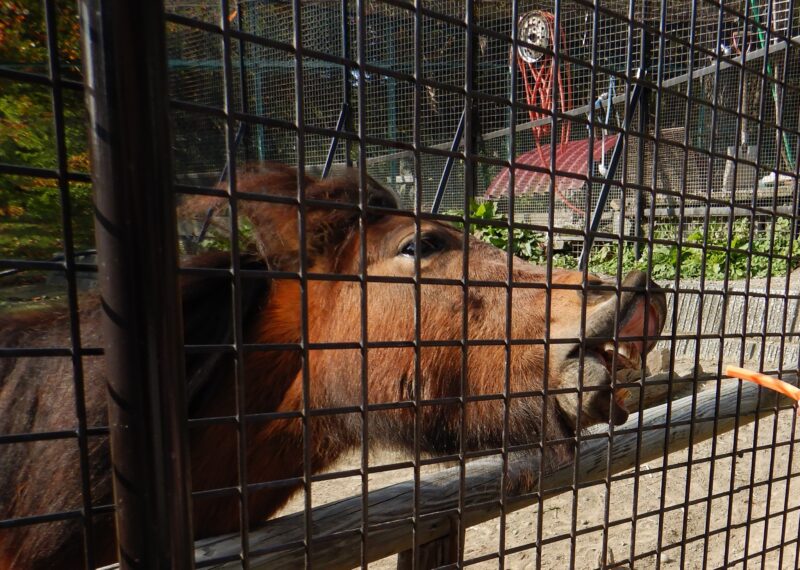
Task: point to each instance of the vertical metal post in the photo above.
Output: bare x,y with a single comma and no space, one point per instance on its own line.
616,154
258,102
345,122
244,127
340,125
472,128
223,176
347,75
127,100
644,121
258,99
391,97
448,165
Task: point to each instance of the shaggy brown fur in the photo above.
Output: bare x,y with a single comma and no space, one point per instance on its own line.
36,394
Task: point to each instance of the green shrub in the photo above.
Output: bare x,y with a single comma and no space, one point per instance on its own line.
763,253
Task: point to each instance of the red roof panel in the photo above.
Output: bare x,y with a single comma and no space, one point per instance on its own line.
571,158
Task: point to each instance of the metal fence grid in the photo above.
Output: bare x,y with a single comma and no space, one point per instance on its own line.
390,47
703,477
44,78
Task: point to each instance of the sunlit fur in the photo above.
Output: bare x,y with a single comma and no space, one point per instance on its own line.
36,394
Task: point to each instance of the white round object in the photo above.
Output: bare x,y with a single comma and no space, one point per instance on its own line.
533,29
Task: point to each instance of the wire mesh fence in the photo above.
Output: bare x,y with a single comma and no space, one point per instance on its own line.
350,367
691,39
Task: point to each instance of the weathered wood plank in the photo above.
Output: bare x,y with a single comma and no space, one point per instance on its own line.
336,543
440,552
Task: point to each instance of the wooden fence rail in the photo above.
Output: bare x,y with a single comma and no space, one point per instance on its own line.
336,540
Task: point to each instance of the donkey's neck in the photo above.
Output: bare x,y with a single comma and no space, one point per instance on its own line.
258,444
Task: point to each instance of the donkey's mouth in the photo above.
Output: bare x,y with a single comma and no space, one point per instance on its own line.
618,335
619,361
600,365
626,356
641,323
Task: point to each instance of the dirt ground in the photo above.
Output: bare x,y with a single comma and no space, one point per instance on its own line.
692,509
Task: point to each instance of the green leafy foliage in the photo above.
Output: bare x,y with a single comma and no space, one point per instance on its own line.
527,244
751,251
31,207
218,236
755,252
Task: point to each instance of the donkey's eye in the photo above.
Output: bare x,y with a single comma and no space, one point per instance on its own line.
428,244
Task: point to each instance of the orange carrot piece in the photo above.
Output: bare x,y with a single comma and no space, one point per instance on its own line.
766,381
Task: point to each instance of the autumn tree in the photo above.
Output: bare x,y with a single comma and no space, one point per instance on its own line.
27,132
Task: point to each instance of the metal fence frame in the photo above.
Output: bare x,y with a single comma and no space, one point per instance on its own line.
127,98
129,105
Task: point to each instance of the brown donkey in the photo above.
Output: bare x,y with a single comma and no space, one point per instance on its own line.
36,394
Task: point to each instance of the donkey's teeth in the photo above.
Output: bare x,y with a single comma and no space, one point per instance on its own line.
627,355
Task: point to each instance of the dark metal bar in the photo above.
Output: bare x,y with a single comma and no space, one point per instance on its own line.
72,286
644,121
363,261
193,240
762,133
36,172
391,94
126,95
470,131
417,284
603,557
344,115
52,264
741,98
303,261
243,126
239,385
511,150
698,325
785,325
37,79
714,120
243,85
240,132
347,97
612,169
657,120
236,141
547,373
204,229
448,165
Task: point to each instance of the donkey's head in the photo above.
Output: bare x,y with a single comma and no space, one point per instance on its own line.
441,325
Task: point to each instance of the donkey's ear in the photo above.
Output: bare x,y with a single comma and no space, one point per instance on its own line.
378,196
265,178
381,197
331,212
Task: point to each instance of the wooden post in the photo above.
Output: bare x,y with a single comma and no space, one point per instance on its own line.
439,552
